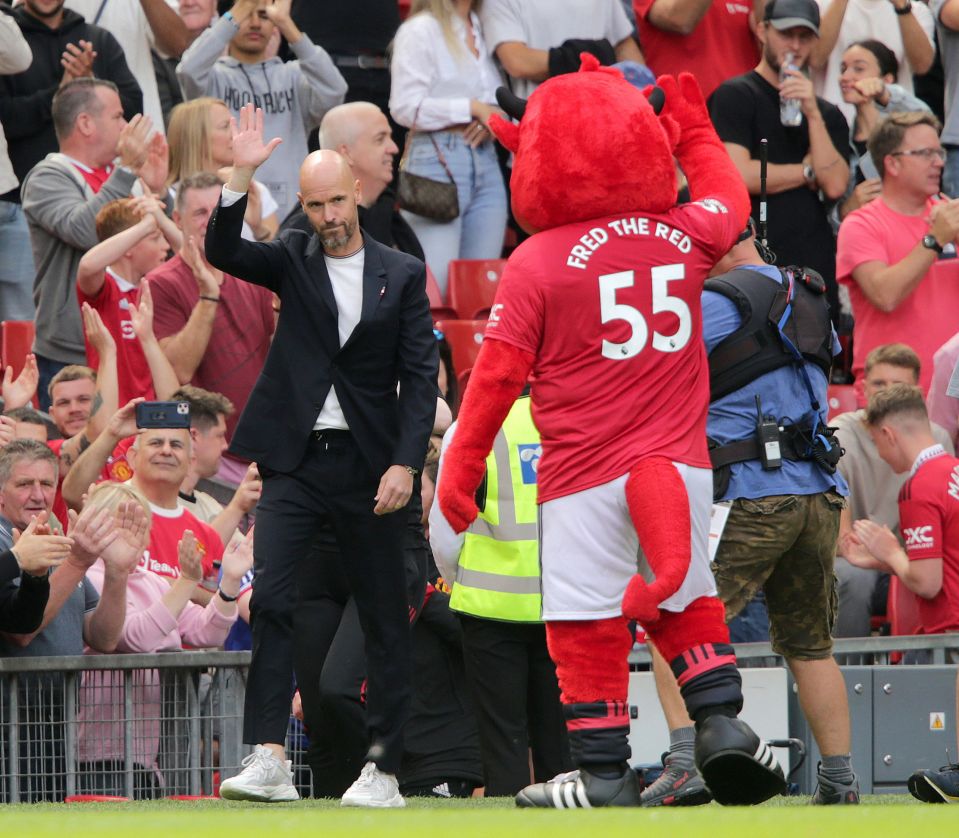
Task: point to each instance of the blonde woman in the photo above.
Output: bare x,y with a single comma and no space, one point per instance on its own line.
443,87
200,140
159,618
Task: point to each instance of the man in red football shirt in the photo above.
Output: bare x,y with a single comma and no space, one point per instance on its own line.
160,458
928,509
929,522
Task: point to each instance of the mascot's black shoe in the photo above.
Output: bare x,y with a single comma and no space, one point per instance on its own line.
940,786
581,790
739,769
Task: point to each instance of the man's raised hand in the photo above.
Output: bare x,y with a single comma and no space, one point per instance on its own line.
37,552
249,149
132,535
18,391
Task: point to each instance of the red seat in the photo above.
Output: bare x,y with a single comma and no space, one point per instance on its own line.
465,338
472,286
902,608
438,307
841,399
16,342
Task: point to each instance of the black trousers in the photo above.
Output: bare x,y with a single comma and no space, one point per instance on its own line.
516,698
334,486
329,661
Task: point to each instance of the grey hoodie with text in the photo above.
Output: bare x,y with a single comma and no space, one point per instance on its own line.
294,95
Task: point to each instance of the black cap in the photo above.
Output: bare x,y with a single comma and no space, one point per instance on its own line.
785,14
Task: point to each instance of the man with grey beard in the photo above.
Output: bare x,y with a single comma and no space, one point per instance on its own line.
354,366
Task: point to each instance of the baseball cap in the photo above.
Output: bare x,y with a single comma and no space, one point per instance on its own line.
785,14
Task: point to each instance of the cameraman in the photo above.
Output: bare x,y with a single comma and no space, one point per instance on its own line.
775,460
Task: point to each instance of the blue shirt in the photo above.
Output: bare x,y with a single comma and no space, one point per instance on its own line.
783,394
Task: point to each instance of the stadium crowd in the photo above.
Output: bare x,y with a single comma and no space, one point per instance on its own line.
127,526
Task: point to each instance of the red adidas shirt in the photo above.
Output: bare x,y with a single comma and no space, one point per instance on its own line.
721,46
113,306
59,505
929,522
167,529
611,309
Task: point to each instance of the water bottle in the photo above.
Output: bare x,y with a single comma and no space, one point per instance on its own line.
790,112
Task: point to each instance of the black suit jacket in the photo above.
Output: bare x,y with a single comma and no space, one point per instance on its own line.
392,343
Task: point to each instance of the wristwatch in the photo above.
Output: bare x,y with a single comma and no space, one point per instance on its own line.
929,240
903,10
809,173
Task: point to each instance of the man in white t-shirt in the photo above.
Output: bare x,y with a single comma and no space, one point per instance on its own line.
139,26
906,27
536,39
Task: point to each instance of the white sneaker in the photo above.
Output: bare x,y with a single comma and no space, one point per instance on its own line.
374,789
264,778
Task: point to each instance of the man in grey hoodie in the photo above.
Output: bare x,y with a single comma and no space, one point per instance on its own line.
293,95
101,157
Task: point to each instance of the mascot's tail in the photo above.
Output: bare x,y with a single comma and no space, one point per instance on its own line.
659,507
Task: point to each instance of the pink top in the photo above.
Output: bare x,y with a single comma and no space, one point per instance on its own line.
149,627
943,408
926,319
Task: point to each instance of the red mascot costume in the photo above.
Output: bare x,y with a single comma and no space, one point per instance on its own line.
600,308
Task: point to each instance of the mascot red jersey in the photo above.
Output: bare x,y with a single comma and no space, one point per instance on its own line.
600,309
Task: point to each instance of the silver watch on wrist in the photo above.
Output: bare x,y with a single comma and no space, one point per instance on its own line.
809,173
929,241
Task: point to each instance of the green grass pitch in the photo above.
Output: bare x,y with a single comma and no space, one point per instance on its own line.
877,817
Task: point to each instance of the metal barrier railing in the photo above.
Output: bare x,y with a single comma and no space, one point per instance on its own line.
156,725
137,726
918,648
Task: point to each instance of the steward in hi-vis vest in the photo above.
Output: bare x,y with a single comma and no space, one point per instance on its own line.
498,573
496,592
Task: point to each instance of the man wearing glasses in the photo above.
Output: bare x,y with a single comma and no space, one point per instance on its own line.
890,251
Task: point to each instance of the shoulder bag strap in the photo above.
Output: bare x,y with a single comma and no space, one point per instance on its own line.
409,137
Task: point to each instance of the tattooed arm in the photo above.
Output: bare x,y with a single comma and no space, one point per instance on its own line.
107,392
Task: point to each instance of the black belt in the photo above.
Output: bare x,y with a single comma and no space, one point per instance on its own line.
362,62
748,449
330,434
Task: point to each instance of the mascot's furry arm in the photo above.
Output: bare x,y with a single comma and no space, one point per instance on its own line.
497,380
709,170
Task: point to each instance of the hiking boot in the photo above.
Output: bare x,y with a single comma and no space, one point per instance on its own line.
676,786
940,786
739,769
830,793
581,790
374,789
265,778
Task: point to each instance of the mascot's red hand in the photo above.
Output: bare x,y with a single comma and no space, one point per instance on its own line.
496,381
709,170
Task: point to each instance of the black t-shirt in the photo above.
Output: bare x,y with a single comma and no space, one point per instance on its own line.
745,110
348,27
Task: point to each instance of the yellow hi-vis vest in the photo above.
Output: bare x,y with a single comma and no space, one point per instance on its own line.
498,574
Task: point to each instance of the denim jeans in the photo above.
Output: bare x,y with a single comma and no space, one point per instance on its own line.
48,368
477,233
16,264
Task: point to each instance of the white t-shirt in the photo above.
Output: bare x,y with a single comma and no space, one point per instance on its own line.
346,277
541,24
868,20
127,22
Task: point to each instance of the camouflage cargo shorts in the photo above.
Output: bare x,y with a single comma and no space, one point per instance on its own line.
786,546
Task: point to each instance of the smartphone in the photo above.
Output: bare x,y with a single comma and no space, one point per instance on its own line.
163,415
